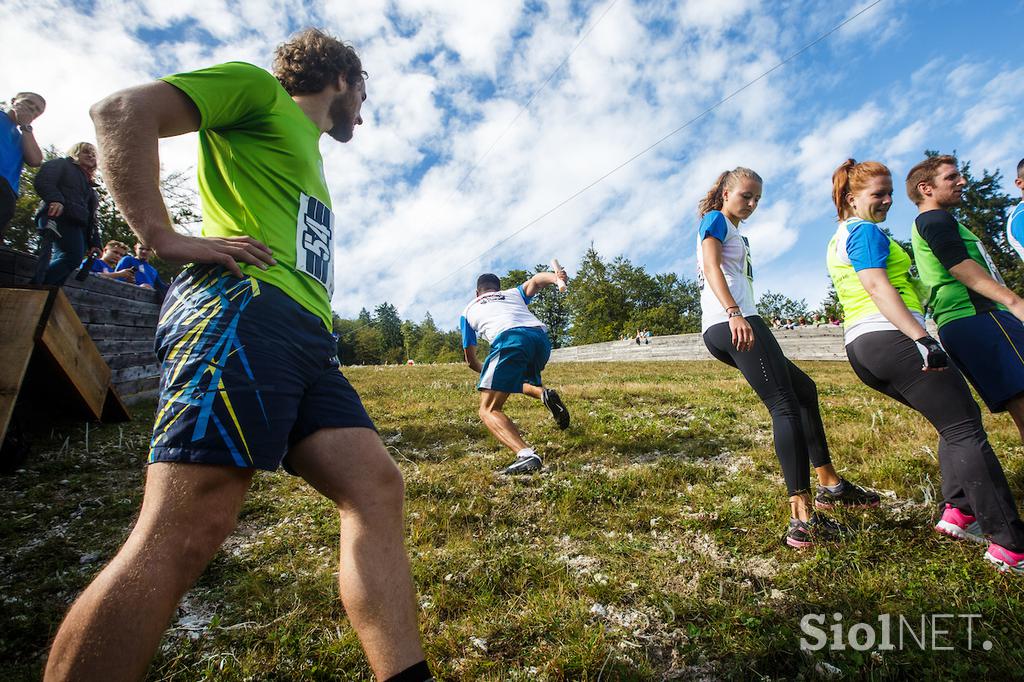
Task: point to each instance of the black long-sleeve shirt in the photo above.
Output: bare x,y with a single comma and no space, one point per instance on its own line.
62,181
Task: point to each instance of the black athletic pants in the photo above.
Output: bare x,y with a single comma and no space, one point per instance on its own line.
790,396
8,199
972,478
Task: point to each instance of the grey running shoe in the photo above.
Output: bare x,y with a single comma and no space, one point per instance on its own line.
816,530
850,496
526,464
558,410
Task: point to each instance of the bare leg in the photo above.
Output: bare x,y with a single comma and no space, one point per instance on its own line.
533,391
352,468
113,628
1016,409
827,474
800,506
497,422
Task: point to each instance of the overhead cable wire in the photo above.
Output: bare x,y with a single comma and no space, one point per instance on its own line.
659,141
476,164
650,147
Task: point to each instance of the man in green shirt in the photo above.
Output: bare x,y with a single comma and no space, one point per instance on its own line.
979,318
250,371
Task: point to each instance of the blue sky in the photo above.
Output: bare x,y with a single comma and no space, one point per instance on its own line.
449,79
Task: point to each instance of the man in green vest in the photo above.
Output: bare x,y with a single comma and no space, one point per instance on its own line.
250,376
979,318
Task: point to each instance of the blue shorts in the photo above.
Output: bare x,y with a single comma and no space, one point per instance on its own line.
989,350
517,357
247,372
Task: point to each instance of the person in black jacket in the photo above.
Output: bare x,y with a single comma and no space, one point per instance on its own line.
67,214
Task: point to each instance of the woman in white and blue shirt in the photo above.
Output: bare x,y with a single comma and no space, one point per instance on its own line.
735,334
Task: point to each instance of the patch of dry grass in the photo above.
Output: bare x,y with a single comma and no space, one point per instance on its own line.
648,548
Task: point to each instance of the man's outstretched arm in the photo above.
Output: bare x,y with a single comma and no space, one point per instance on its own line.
541,280
129,124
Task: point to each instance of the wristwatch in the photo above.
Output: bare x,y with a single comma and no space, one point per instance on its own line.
27,128
738,313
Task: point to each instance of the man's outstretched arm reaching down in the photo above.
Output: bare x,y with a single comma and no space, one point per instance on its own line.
471,359
129,125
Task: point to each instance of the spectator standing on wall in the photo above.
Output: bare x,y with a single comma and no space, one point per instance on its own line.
18,147
67,212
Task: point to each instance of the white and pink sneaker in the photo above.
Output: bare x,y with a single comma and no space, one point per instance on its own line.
956,524
1005,559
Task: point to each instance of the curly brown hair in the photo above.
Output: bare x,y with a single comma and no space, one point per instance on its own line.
312,60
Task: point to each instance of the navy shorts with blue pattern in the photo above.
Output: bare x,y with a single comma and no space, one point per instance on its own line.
247,373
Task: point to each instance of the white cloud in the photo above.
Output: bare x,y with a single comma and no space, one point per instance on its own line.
832,141
448,77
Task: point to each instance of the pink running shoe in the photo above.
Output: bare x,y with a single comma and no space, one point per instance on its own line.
956,524
1005,559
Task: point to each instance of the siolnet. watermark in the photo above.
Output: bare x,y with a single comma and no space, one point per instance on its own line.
893,632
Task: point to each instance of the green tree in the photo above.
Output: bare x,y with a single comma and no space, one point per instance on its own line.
410,337
830,306
430,343
772,305
346,334
387,322
677,308
369,346
598,306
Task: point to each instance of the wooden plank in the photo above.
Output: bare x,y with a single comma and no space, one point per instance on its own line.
70,346
97,288
129,390
113,331
113,287
115,346
20,311
16,265
119,376
90,315
123,360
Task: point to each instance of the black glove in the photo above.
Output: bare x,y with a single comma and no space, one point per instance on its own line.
932,354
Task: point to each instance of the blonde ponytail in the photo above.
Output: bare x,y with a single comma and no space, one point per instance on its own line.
714,199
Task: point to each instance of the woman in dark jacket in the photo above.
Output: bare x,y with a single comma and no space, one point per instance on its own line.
69,205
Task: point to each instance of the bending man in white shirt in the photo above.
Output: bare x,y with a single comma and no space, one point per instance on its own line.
519,350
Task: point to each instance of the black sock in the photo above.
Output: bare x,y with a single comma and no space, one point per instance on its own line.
419,672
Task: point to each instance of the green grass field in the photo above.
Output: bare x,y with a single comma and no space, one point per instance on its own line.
647,549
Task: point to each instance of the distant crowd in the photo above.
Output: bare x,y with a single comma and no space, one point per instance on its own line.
67,216
804,321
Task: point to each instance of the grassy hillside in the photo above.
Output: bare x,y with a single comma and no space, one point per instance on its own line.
647,549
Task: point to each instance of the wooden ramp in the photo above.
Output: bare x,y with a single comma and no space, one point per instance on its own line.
121,319
50,363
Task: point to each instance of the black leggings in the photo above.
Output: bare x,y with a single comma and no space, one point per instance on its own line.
972,478
790,396
8,202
